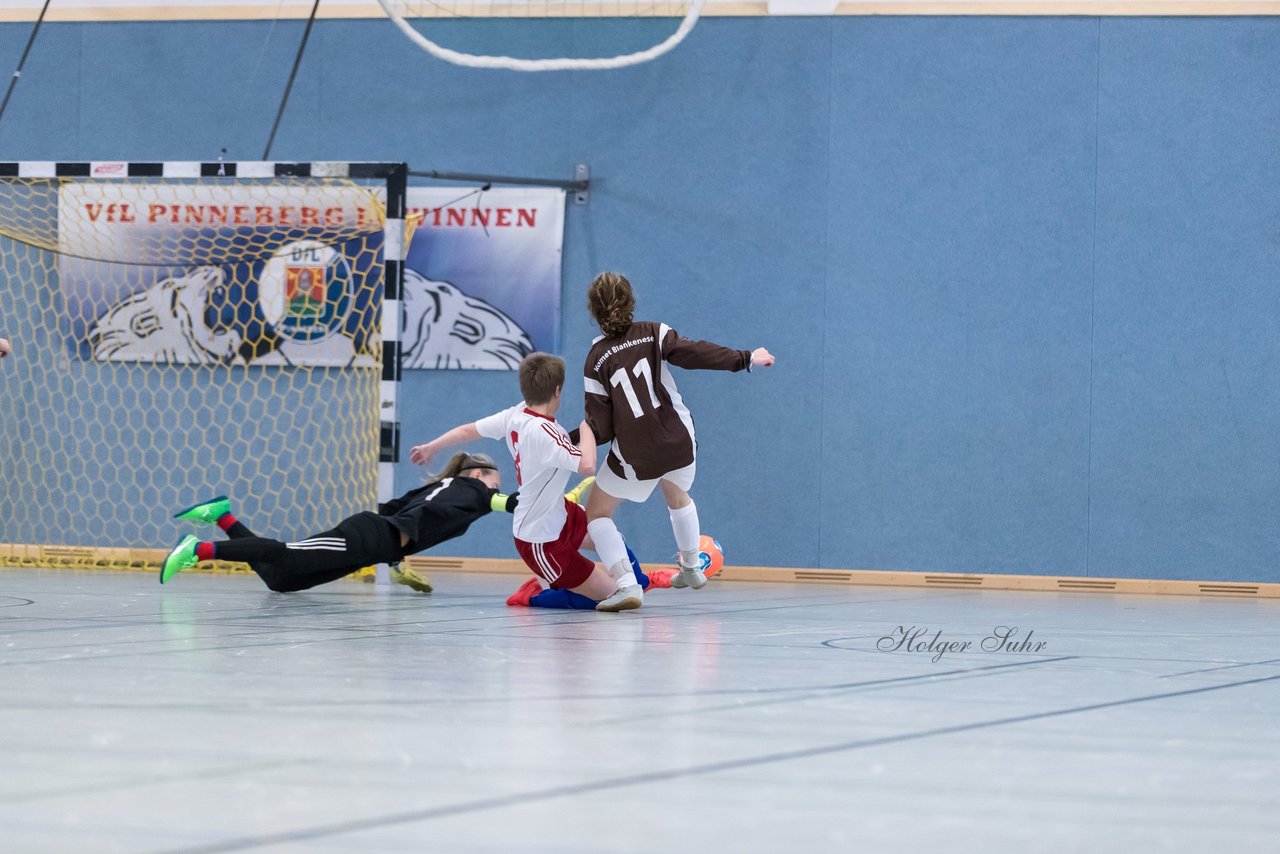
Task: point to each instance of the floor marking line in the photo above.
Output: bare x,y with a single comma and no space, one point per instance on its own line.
557,792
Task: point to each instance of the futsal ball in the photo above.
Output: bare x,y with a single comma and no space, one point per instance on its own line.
711,554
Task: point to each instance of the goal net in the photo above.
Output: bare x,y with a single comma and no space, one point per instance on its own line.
179,335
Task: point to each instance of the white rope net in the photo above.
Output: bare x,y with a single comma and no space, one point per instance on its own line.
401,12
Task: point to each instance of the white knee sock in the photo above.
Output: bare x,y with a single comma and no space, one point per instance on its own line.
612,550
684,523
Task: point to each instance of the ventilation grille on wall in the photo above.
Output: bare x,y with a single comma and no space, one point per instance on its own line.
70,553
823,576
954,580
1086,584
1229,589
440,563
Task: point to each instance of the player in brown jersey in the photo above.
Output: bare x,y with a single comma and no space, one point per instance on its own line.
632,402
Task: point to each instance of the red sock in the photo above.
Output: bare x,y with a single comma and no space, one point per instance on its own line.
525,592
226,520
204,551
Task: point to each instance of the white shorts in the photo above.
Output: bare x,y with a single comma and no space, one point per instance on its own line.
640,490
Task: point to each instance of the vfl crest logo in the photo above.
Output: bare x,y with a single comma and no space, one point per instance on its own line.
305,291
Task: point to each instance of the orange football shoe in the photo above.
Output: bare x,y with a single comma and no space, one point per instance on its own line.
525,592
660,579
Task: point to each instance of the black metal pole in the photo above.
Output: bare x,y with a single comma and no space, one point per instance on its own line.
13,81
577,186
288,87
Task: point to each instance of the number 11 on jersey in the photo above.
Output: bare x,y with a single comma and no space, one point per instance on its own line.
621,380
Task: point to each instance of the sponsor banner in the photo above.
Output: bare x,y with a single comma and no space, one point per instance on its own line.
482,276
145,275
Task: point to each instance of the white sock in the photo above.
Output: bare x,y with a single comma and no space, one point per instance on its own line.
610,547
623,574
684,523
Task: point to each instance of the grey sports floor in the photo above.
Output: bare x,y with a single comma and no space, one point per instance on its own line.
212,715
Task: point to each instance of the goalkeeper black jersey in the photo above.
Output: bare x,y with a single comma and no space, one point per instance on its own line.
436,512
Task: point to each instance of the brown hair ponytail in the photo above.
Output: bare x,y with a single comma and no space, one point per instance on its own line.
612,304
460,462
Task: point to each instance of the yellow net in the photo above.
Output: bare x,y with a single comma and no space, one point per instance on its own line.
176,340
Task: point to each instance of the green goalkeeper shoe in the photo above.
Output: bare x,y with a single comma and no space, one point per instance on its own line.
207,512
575,494
182,557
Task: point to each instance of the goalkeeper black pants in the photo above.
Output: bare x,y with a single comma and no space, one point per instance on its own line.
358,541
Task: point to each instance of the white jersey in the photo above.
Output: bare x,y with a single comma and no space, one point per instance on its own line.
545,457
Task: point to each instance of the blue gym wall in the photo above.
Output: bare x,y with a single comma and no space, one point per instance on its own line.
1020,273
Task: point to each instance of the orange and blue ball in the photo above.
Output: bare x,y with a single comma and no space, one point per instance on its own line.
712,555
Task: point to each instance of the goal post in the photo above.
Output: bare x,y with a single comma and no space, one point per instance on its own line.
188,329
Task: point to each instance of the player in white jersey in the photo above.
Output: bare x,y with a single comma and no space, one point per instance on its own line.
550,531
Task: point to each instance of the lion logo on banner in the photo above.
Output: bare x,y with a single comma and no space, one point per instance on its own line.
165,323
179,321
445,328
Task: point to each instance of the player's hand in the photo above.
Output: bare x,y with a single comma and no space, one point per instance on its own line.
422,454
761,358
5,348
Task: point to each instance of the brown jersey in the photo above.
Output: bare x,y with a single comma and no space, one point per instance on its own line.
633,402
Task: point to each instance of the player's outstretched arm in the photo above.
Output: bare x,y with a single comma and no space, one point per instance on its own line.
500,503
5,347
422,454
707,356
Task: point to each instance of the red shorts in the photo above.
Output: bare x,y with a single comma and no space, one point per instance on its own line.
559,562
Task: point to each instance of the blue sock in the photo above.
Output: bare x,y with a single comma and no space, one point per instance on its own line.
562,599
635,567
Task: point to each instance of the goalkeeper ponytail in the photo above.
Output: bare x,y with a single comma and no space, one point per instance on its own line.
461,462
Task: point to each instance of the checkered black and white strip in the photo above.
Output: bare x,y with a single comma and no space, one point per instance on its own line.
200,169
